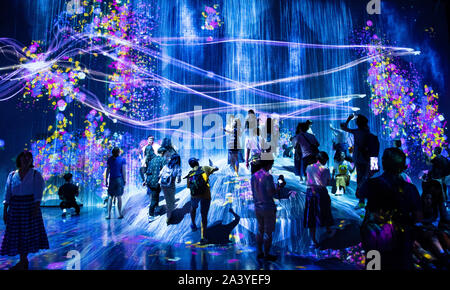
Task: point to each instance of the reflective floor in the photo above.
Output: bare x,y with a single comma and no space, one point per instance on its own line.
133,243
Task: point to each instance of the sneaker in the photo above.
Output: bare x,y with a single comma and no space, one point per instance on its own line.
194,228
270,257
120,217
151,218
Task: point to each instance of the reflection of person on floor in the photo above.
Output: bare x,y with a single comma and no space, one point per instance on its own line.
264,190
219,233
116,175
152,181
198,183
318,202
25,231
67,193
169,173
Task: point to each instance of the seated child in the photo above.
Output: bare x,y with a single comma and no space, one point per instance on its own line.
342,179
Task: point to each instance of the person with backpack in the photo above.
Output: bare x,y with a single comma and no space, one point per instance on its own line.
67,193
198,184
25,230
169,173
365,151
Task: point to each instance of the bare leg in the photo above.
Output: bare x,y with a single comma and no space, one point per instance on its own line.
109,206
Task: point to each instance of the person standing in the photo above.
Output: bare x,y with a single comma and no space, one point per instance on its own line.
146,155
264,190
309,146
25,231
169,173
360,157
198,183
440,170
298,156
67,193
318,202
234,131
152,181
116,175
393,209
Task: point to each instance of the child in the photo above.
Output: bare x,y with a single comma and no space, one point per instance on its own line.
67,193
318,202
342,179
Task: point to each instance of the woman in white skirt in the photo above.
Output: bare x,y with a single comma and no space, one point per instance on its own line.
25,231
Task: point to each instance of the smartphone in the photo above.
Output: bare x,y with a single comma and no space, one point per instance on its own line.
374,164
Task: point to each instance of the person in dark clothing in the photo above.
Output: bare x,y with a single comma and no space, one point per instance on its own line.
298,156
393,208
432,235
147,154
360,159
115,180
309,146
67,193
154,168
264,190
440,170
198,184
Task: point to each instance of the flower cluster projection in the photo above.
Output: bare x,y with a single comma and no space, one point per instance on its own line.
408,109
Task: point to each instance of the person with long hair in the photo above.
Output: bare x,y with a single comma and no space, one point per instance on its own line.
25,231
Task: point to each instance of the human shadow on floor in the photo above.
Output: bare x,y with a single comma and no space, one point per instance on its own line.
218,233
179,213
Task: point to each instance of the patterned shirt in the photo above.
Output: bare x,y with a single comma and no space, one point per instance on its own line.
153,170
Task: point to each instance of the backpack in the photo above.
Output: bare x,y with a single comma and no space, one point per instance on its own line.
166,176
197,183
